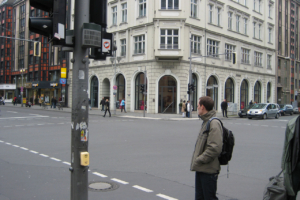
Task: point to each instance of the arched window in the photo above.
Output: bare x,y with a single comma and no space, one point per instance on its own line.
120,82
167,100
94,92
212,90
229,90
244,95
139,97
257,92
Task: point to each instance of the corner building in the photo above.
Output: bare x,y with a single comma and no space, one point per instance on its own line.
155,35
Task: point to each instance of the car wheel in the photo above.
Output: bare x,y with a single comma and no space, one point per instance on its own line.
277,116
264,116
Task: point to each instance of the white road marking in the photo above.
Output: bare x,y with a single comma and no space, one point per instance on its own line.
33,114
46,156
142,188
24,117
55,159
16,146
11,112
40,124
67,163
33,152
7,143
1,141
165,197
119,181
24,148
98,174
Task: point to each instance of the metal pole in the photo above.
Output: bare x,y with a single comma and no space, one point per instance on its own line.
190,75
115,60
80,105
22,89
145,82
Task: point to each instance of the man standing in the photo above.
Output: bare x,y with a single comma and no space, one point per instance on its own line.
224,106
188,108
208,147
107,108
183,109
123,106
102,103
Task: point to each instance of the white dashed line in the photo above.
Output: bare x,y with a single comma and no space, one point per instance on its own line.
98,174
46,156
165,197
142,188
8,143
119,181
67,163
24,148
33,152
1,141
55,159
40,124
16,146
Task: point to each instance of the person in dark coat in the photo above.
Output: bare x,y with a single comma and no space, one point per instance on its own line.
53,102
102,103
250,103
224,106
107,108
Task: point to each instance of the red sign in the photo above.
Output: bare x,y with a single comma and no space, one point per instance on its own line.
115,87
106,45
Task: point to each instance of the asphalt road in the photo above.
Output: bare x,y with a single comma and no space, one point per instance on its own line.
146,159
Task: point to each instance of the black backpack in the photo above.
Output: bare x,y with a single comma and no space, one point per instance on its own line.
228,142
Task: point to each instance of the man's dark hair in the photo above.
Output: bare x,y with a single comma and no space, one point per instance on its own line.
207,102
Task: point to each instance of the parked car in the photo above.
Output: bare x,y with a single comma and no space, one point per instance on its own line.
286,109
243,112
296,110
263,110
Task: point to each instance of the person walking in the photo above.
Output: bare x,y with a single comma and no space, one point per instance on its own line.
189,109
123,106
208,147
15,101
107,108
183,109
224,106
290,162
52,102
102,103
40,101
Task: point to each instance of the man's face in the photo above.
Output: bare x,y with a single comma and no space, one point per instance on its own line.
200,109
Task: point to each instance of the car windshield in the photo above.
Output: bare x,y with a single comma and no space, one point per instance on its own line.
281,106
259,106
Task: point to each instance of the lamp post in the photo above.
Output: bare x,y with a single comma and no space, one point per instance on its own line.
22,71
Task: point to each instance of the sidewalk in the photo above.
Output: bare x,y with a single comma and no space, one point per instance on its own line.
136,115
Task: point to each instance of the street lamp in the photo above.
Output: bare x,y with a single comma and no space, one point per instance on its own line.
22,71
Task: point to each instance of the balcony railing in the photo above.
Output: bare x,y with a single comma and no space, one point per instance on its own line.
139,51
196,51
169,46
245,61
258,64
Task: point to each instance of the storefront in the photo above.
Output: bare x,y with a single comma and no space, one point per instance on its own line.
7,91
46,90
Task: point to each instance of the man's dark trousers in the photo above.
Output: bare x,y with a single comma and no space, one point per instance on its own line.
296,181
102,107
224,110
206,186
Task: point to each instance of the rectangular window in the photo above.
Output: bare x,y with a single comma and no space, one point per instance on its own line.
254,29
259,6
196,44
259,31
170,4
269,61
169,39
238,23
245,2
270,35
139,44
258,59
245,26
245,56
194,8
212,48
123,47
230,20
270,10
142,8
219,17
114,15
124,12
229,49
211,12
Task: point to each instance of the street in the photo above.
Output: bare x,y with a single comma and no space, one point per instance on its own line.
145,159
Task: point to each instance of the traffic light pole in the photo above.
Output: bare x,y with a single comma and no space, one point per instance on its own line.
80,105
190,77
145,82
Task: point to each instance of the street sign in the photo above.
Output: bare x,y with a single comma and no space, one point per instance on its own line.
63,81
106,45
115,87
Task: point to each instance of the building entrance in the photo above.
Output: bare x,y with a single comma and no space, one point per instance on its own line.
167,102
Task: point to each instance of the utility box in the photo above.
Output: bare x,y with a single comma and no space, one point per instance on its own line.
84,158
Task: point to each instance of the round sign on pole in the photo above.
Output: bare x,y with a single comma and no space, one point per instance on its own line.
115,87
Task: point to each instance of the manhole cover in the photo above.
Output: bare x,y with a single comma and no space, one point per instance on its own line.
103,186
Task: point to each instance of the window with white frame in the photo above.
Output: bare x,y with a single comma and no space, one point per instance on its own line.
238,23
219,16
212,48
245,54
142,8
139,44
196,44
259,31
229,49
270,35
259,6
245,2
254,29
169,4
114,15
230,20
211,13
269,61
245,26
258,58
123,47
169,38
194,8
270,10
124,12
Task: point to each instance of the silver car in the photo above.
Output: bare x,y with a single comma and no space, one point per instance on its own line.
264,110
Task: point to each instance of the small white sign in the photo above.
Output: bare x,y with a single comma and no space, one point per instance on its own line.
106,45
81,74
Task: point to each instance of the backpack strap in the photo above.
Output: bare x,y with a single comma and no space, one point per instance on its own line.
208,124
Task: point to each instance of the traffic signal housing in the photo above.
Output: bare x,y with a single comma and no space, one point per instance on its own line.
233,57
52,26
142,88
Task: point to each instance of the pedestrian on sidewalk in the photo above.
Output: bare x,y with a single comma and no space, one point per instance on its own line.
189,109
102,103
290,162
250,103
224,106
53,102
183,109
208,147
40,101
15,101
123,105
107,108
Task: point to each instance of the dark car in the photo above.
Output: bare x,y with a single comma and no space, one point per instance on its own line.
243,112
286,109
